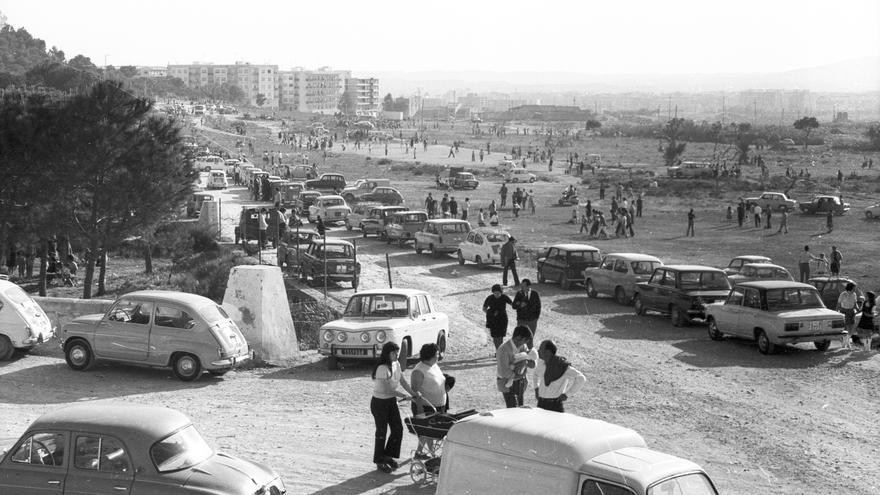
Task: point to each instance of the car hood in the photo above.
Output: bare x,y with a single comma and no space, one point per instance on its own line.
228,474
361,324
88,319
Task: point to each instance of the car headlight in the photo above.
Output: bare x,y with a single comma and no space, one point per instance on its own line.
365,337
381,336
341,337
328,336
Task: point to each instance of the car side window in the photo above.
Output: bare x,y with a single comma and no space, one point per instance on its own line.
105,454
45,449
595,487
657,277
131,311
414,307
173,318
736,297
607,264
426,308
752,299
620,266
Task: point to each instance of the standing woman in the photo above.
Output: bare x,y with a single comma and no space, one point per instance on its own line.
866,322
429,383
495,307
387,376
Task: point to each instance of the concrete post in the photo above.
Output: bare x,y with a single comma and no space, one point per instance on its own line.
209,217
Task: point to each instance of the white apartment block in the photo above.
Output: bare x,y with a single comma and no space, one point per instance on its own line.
314,91
362,96
145,71
253,80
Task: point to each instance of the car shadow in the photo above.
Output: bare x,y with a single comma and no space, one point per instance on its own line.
103,381
374,480
649,327
582,305
317,371
468,364
703,352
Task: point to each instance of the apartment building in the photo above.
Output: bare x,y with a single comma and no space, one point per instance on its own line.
254,80
361,96
314,91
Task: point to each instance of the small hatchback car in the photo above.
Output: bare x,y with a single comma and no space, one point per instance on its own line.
186,332
482,246
23,323
565,263
101,448
618,275
681,291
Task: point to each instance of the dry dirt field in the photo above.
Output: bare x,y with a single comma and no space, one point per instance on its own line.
797,422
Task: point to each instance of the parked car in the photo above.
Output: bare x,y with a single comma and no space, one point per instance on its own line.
289,192
217,180
327,183
482,246
773,200
384,195
830,288
773,313
186,332
822,204
305,200
873,211
211,162
737,262
618,274
360,187
378,219
691,170
194,203
407,317
302,172
441,235
565,263
681,291
519,175
760,271
331,209
401,226
23,323
293,244
340,259
99,448
359,211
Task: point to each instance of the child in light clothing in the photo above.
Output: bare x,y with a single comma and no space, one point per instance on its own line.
520,361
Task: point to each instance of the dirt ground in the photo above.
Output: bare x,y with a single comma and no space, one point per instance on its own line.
797,422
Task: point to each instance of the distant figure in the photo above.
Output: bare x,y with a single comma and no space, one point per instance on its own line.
690,227
829,221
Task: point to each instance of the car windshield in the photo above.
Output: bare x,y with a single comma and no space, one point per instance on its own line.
584,255
704,281
181,450
339,251
497,237
377,306
793,298
413,218
688,484
334,202
644,267
450,228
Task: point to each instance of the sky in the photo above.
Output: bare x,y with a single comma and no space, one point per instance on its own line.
581,36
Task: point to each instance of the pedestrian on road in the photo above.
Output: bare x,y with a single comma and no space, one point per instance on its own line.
847,303
495,308
740,213
690,227
528,307
555,378
829,221
453,207
508,258
757,211
320,227
465,212
513,360
428,381
804,260
783,222
503,193
263,226
836,260
866,322
531,202
387,378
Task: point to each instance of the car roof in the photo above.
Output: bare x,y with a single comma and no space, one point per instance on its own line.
380,206
333,240
775,284
405,212
690,268
489,230
633,256
763,265
832,279
148,422
329,196
406,292
574,247
446,220
170,295
753,257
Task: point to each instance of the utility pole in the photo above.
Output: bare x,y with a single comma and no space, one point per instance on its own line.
755,118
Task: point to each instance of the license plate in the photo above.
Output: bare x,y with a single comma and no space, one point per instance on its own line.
816,325
352,352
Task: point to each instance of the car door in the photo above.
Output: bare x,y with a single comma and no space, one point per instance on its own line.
727,316
661,292
750,313
601,275
124,332
469,246
37,465
101,466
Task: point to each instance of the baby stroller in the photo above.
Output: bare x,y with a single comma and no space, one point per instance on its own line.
432,426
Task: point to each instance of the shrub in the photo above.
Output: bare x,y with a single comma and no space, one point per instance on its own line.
384,161
308,316
207,273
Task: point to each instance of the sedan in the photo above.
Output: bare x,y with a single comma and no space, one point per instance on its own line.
873,211
618,275
384,195
760,271
100,448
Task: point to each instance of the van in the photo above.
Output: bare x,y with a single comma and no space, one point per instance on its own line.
525,450
23,323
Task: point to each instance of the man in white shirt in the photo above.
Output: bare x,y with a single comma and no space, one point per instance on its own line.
555,379
847,303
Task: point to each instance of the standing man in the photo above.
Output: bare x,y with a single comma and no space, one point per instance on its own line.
783,222
263,225
508,260
503,193
555,378
639,205
847,303
757,211
829,220
836,260
527,304
740,213
429,205
512,360
467,209
690,228
453,207
804,264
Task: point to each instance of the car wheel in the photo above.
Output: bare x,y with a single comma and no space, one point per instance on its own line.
638,306
764,344
677,316
591,290
403,355
620,296
822,345
187,368
460,258
6,348
332,363
479,262
441,345
434,252
564,283
78,355
869,214
541,278
714,332
348,226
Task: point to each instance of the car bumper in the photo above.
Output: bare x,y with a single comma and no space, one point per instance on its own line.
36,339
352,352
232,361
810,337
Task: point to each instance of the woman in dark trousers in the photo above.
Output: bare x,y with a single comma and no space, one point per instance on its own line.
495,307
387,377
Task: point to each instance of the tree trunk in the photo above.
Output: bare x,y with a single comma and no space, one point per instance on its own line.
102,274
44,263
148,258
89,276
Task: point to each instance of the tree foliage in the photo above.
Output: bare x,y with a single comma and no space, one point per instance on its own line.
671,134
806,124
592,124
873,135
19,51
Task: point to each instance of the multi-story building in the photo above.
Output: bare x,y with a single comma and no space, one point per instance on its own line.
315,91
362,96
254,80
144,71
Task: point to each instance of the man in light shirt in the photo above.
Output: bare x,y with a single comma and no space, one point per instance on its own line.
555,379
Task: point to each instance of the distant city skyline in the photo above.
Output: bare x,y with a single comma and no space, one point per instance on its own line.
623,38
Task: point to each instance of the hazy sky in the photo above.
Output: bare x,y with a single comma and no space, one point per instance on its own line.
636,36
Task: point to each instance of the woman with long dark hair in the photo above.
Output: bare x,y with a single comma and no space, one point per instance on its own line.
387,377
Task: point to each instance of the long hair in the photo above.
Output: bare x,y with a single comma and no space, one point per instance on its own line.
385,356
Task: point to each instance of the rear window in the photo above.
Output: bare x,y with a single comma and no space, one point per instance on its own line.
584,255
689,484
213,313
644,267
449,228
704,281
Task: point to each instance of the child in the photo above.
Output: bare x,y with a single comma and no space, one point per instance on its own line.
729,214
520,362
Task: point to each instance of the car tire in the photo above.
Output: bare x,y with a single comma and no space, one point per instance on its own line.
460,258
78,355
564,283
187,367
403,354
218,372
418,249
714,332
822,345
6,349
441,345
764,344
434,252
479,261
638,305
677,316
620,296
591,290
869,214
541,278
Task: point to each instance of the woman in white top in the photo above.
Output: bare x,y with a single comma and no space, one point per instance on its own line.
387,376
429,383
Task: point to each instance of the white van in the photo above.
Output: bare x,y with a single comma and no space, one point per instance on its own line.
23,323
519,175
525,450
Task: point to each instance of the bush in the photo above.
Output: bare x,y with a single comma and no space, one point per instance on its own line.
207,273
308,317
384,161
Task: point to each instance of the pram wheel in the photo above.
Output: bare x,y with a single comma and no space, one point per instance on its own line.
418,472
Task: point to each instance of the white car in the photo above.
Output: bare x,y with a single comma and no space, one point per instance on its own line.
482,246
331,209
873,211
519,175
406,317
618,275
217,180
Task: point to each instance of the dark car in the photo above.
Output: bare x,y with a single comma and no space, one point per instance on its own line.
100,448
831,287
384,195
681,291
340,261
194,204
565,263
822,204
305,200
329,183
248,228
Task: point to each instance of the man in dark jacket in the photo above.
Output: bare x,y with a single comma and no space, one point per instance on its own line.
508,260
527,304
